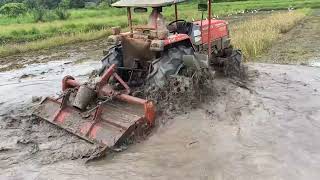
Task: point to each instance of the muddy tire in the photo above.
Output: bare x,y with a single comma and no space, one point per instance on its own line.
170,63
233,65
113,56
230,64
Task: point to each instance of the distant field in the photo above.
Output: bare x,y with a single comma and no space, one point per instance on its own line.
253,37
21,34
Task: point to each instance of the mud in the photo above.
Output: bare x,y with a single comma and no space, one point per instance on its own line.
266,128
82,52
23,140
23,137
181,94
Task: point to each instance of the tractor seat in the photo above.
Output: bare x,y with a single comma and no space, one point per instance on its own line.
135,49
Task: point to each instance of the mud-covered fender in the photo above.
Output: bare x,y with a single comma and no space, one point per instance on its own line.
160,45
157,45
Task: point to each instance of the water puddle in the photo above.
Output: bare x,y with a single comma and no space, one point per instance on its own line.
17,87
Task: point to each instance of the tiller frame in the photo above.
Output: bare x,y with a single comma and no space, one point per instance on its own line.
111,122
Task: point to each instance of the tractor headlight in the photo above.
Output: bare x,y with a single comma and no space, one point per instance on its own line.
197,37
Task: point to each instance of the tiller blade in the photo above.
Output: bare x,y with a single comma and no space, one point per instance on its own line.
99,114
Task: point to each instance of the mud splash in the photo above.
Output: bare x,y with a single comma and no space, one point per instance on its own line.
181,94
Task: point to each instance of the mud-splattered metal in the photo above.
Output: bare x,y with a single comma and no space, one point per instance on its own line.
111,123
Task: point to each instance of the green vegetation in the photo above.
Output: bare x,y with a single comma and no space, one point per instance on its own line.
51,42
44,28
13,9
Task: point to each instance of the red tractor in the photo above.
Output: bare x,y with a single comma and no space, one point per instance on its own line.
106,111
160,50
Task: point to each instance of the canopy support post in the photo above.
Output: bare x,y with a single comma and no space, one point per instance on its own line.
176,10
130,20
209,30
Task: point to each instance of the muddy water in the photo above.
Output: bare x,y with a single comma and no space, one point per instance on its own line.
268,130
19,86
23,138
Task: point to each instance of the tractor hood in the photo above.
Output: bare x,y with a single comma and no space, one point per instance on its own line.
146,3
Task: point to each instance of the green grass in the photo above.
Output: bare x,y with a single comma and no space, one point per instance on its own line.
22,32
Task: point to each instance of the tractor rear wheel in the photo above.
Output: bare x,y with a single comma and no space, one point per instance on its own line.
232,67
113,56
170,63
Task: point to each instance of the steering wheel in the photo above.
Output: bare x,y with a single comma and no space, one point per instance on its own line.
175,28
178,20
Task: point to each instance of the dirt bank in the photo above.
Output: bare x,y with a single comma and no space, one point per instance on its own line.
299,46
24,139
81,52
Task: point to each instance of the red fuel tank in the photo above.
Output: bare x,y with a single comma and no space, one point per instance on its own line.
219,29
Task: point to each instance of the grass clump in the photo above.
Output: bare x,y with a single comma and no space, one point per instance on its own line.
255,36
62,13
44,15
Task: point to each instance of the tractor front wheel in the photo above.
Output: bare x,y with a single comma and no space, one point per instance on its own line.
113,56
230,64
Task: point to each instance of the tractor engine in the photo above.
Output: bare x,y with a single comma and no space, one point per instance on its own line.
153,52
219,34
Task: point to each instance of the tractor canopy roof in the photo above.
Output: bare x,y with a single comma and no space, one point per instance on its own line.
146,3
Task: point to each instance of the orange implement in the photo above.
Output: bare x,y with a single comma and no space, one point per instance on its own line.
110,123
